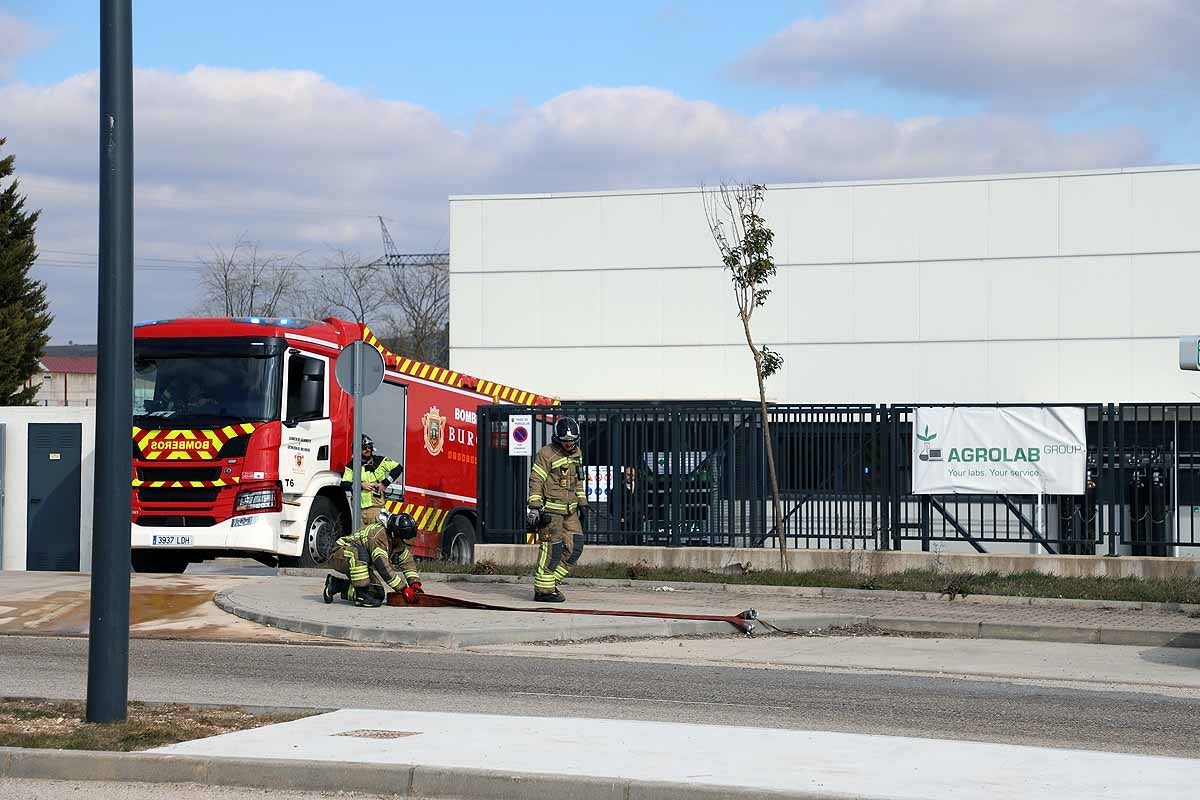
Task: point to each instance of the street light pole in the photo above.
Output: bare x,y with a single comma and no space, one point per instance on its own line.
108,638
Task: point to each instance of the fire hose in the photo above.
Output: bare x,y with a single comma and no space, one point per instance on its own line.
743,621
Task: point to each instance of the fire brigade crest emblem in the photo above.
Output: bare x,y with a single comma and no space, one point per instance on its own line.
435,430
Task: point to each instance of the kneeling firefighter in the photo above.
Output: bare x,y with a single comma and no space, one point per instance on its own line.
556,501
372,549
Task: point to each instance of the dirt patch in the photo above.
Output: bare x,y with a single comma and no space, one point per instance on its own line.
59,724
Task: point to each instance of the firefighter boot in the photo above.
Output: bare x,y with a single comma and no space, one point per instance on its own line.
334,587
549,597
370,596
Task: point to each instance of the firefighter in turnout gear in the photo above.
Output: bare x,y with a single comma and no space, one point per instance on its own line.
372,549
556,502
378,472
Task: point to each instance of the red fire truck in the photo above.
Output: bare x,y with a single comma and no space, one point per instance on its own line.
242,432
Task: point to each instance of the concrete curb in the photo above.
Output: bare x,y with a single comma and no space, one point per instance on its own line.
568,629
802,591
332,776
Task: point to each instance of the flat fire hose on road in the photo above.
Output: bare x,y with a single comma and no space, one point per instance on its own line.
743,621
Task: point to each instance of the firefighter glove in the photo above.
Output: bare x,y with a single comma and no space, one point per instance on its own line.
410,593
533,518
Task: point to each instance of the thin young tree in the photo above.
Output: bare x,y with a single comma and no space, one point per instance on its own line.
734,215
24,312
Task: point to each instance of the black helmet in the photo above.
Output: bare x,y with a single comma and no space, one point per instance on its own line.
566,431
400,527
367,441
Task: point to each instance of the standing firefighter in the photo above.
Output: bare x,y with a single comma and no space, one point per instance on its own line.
378,472
556,502
371,550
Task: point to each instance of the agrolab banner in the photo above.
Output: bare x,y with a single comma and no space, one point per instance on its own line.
1012,450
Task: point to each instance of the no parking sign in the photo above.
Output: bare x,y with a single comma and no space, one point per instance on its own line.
520,435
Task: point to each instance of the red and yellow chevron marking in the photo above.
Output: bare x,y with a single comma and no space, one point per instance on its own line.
187,484
419,369
427,518
187,445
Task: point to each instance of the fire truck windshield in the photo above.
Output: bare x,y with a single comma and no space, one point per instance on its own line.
206,382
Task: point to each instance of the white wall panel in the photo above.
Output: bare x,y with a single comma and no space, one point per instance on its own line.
818,226
1166,294
881,373
632,232
1155,373
1165,211
1095,297
951,220
512,234
512,305
466,312
633,300
953,300
466,235
1023,218
565,315
885,224
570,233
684,232
885,302
1094,369
951,372
815,373
1023,372
697,307
818,299
1023,299
1094,214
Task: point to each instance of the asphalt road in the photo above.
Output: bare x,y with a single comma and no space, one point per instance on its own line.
341,676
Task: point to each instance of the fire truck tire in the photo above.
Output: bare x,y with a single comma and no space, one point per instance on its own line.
325,524
458,540
158,561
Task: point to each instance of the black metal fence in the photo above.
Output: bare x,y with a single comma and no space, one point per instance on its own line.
695,474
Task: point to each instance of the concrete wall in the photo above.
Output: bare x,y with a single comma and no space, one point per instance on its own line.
1061,287
65,389
16,486
865,562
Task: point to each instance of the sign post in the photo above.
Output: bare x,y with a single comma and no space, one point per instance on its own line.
359,370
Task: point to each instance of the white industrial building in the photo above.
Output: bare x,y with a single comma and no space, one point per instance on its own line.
1067,287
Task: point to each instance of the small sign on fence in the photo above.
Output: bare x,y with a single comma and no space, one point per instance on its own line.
1013,450
520,434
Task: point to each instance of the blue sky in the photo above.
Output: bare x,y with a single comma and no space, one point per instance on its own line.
294,123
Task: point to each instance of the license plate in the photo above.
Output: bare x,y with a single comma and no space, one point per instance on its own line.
171,541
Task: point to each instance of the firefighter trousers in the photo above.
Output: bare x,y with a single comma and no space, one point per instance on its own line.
354,563
561,546
368,515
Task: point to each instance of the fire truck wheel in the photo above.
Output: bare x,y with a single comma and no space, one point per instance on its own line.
325,525
458,541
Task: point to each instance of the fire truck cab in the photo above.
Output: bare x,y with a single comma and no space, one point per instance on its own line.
242,434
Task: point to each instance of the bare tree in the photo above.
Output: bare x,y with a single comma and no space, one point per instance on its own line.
420,294
744,242
241,282
346,285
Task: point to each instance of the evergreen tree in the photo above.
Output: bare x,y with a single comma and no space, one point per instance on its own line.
24,314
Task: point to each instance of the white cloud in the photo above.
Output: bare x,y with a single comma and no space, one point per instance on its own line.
300,162
990,48
17,37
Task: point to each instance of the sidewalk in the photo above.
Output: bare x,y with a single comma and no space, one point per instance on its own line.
294,603
437,755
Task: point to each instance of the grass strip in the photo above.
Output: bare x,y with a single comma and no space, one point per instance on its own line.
59,724
954,584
